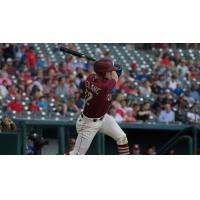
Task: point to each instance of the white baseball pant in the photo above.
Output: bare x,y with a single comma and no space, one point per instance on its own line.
87,128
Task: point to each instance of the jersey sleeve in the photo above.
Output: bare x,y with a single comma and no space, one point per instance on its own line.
111,84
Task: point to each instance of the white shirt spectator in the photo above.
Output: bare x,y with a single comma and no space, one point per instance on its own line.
182,70
145,91
160,83
98,51
166,116
3,91
193,117
173,84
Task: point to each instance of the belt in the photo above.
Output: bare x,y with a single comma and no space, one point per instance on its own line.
94,119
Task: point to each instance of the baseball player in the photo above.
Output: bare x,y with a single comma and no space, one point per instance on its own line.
94,118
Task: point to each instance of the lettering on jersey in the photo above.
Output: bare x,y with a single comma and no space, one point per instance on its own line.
92,87
109,97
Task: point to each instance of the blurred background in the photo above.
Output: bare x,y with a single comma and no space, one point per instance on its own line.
160,83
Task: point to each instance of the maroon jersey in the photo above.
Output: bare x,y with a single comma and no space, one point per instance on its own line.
98,96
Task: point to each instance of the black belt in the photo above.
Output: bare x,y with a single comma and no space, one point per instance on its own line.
95,120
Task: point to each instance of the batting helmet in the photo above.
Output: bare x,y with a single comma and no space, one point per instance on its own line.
104,65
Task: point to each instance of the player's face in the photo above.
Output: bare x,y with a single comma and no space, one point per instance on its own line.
108,75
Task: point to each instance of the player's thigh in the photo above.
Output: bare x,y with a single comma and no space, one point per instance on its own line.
87,129
111,128
86,133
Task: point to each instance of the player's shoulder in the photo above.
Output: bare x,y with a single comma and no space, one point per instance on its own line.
108,83
91,77
103,83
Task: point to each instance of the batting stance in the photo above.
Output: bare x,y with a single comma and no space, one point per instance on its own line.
94,117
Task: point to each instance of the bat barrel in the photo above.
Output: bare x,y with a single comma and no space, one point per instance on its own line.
75,53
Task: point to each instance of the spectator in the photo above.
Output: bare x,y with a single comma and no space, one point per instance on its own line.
161,81
61,89
188,98
192,115
145,113
79,101
3,89
71,89
178,91
79,78
4,76
129,116
177,59
151,150
173,82
30,57
70,146
119,109
69,64
136,109
47,86
21,57
182,69
42,103
156,89
167,115
39,62
172,152
72,107
142,74
61,108
98,51
135,150
30,149
16,105
35,92
12,90
115,115
165,60
33,106
146,89
8,51
194,93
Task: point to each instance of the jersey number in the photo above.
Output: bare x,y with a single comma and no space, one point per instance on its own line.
88,97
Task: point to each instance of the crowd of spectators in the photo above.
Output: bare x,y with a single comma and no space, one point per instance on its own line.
31,83
167,91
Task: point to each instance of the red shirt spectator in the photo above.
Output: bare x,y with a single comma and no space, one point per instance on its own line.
133,66
129,117
15,106
33,107
52,68
12,90
165,61
26,76
30,56
193,74
120,111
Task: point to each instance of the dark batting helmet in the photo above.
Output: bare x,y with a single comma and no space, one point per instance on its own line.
104,65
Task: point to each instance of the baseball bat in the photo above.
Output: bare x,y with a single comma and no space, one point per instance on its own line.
75,53
81,55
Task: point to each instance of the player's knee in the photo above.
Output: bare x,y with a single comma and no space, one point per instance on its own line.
122,140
